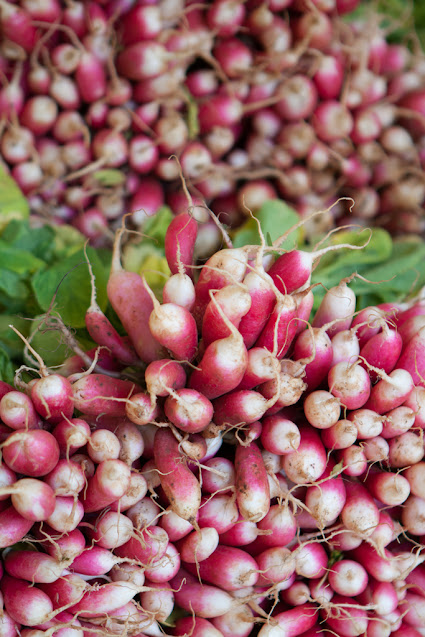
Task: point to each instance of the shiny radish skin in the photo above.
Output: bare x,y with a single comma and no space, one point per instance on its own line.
175,329
251,483
100,394
262,366
281,327
179,244
163,375
225,267
103,333
244,405
412,358
109,483
148,546
105,599
179,483
382,351
228,567
25,603
33,453
34,567
263,299
68,589
133,304
234,302
317,369
189,410
339,303
390,392
291,623
52,397
13,527
203,600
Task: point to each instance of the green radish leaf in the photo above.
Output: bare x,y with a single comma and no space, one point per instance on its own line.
156,227
50,343
12,285
37,241
109,177
9,340
275,218
70,281
13,204
19,261
7,368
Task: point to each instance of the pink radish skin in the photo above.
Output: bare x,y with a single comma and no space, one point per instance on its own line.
234,302
105,599
416,477
175,329
282,524
412,356
341,435
416,401
291,623
67,478
310,560
103,394
136,491
7,478
163,375
280,328
391,489
17,411
180,243
262,366
368,423
174,525
382,351
229,267
109,483
350,621
198,545
398,421
240,534
283,393
148,546
196,627
390,392
317,367
222,367
141,410
67,515
24,603
94,561
350,384
189,410
162,570
33,453
33,566
252,486
63,548
263,298
219,512
276,564
66,590
382,568
71,435
360,513
353,460
33,499
52,398
217,474
180,485
383,595
308,462
279,435
112,529
131,301
13,527
228,567
326,500
245,406
339,303
203,600
348,578
410,327
159,600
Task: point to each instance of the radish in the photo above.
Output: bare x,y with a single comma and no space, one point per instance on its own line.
24,603
252,487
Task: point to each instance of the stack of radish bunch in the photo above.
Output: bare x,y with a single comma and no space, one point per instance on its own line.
247,472
258,100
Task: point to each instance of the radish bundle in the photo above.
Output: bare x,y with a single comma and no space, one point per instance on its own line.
239,491
283,99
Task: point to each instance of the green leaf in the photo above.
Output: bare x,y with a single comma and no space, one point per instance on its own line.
37,241
19,261
13,204
9,340
156,227
275,218
70,280
50,343
67,240
7,368
11,285
109,177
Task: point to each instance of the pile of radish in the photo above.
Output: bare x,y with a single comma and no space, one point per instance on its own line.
251,470
258,100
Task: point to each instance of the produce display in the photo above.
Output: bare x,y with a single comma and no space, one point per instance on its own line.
246,468
295,99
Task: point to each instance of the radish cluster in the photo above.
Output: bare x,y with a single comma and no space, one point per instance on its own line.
257,100
251,471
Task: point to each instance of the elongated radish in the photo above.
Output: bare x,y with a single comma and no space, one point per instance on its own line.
110,482
219,511
326,500
291,623
204,600
33,566
411,358
26,604
180,243
252,487
390,392
33,499
97,393
105,599
281,326
180,485
314,348
13,527
52,397
338,303
34,452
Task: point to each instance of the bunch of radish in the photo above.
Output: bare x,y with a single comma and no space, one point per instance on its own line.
251,470
258,100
